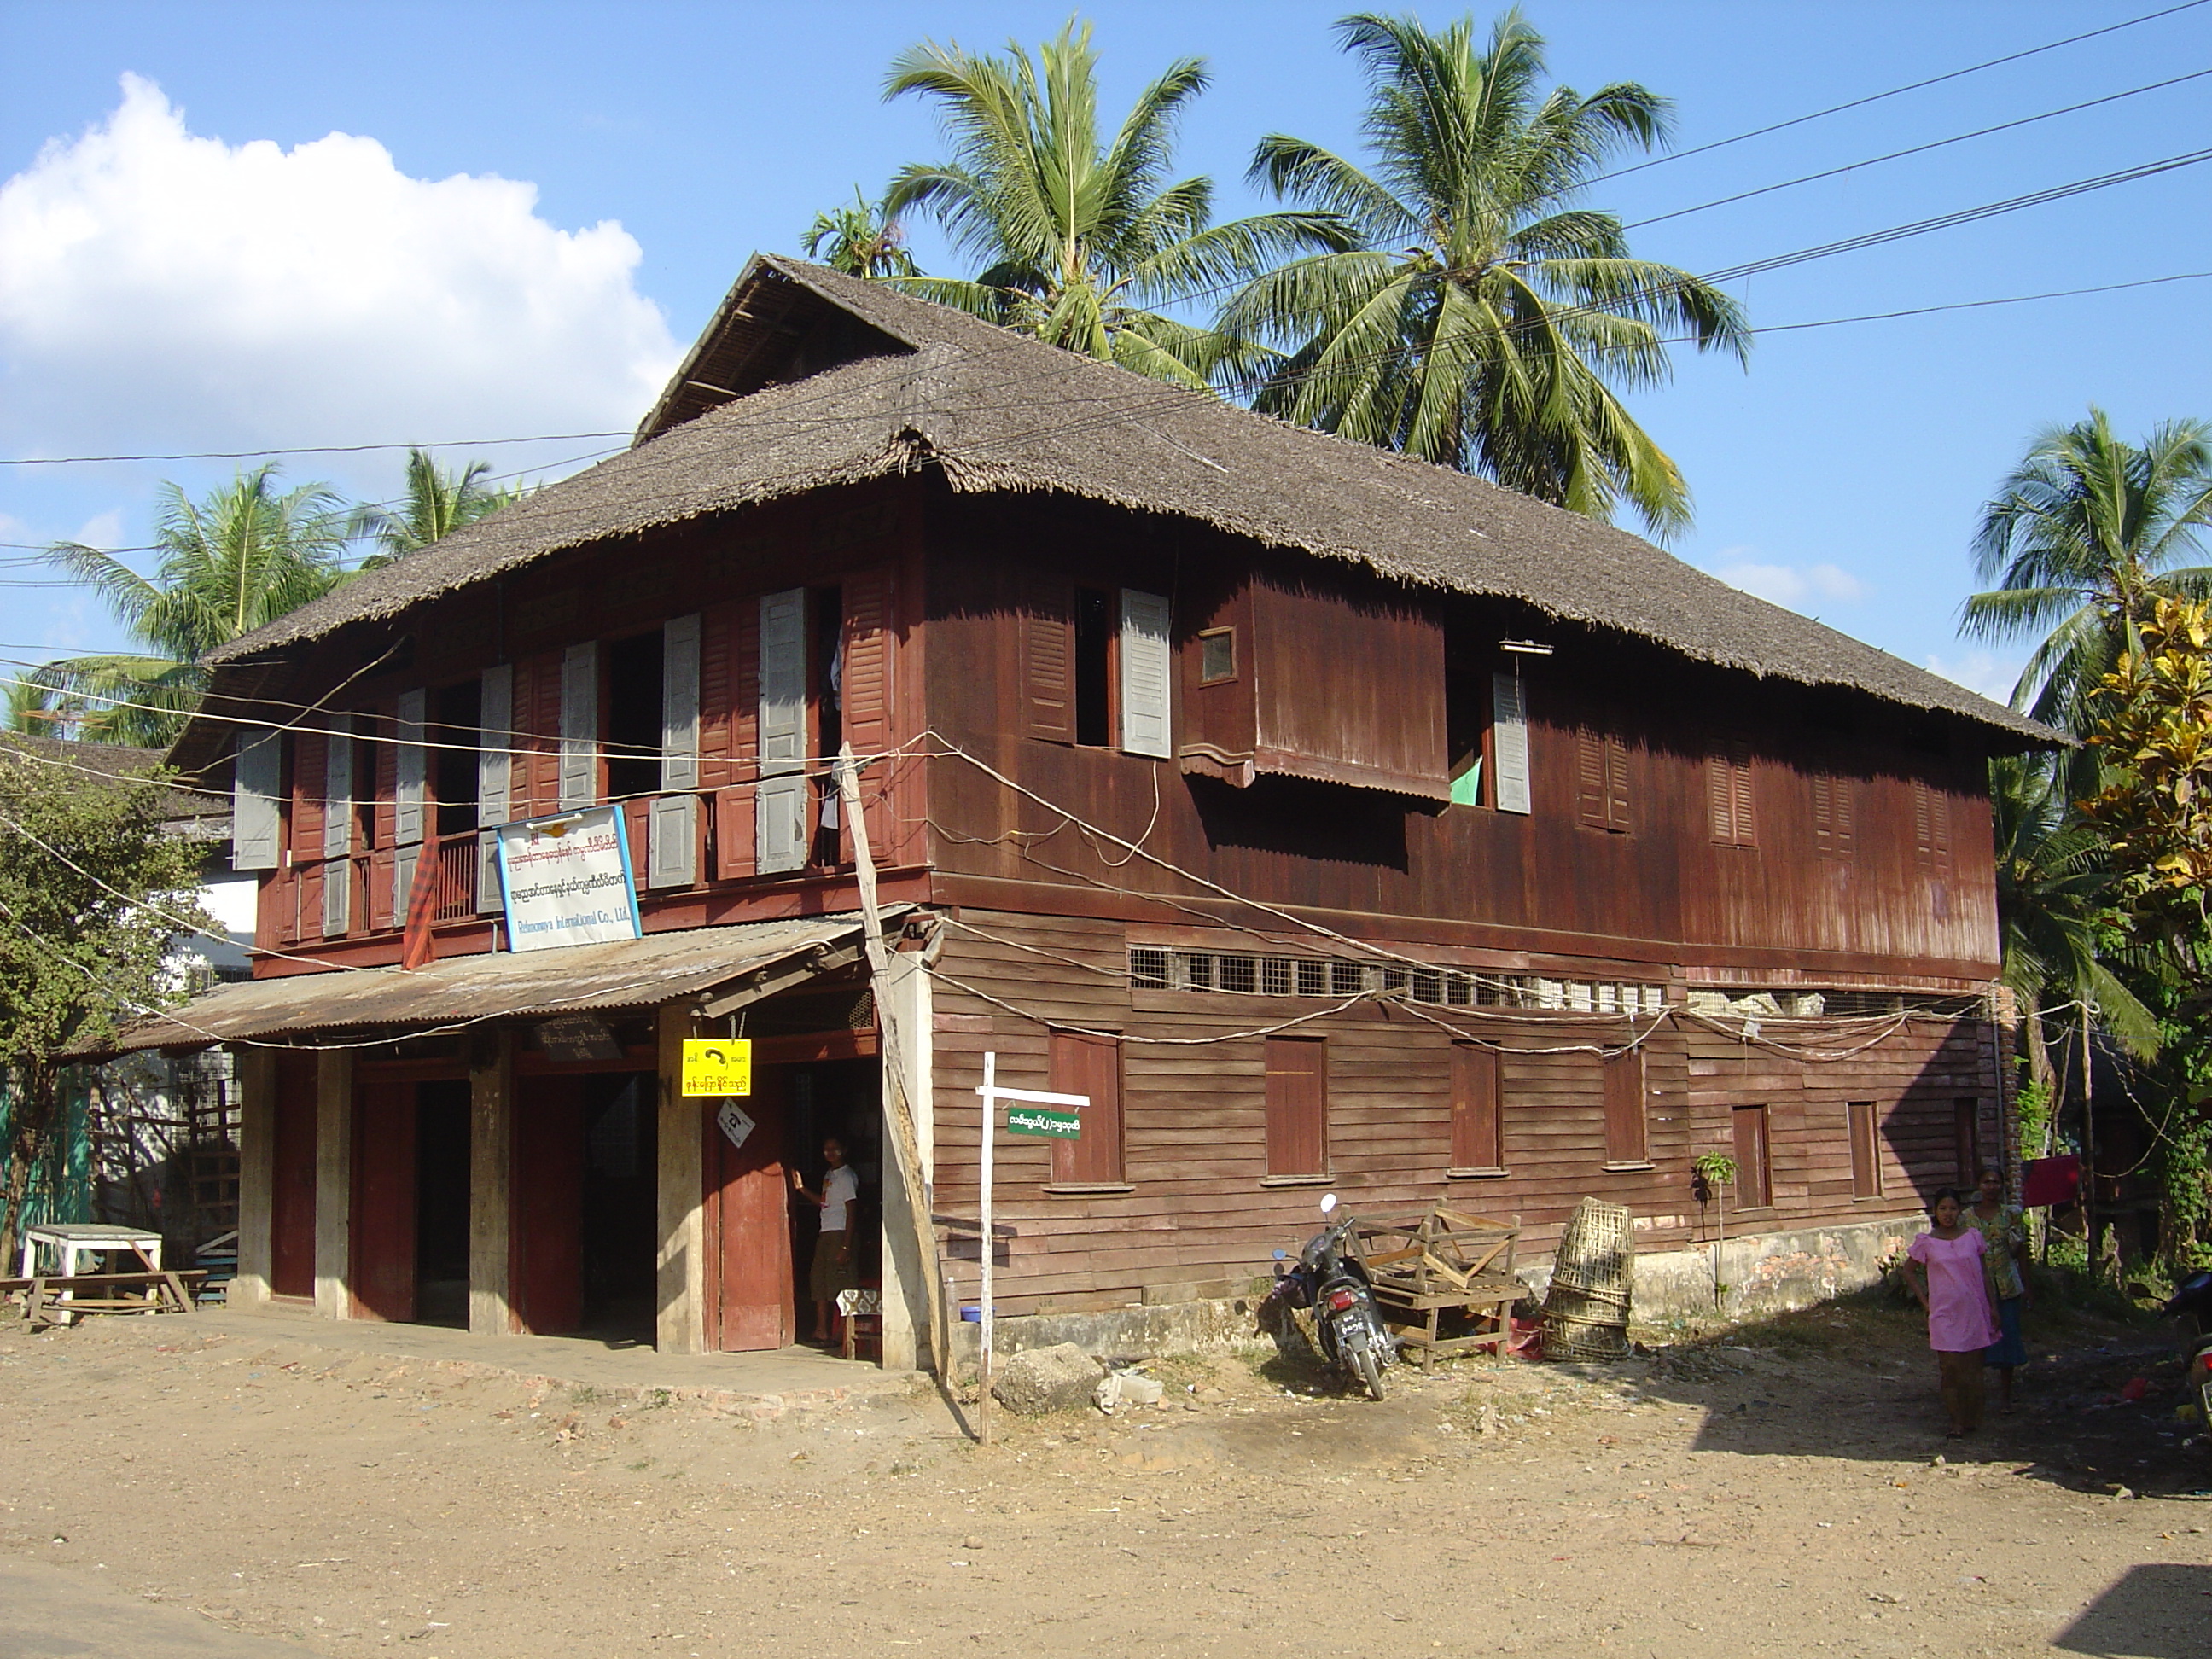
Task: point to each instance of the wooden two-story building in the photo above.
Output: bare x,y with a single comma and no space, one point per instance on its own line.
1326,818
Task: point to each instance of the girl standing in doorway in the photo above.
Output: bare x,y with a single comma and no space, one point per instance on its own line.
1944,1270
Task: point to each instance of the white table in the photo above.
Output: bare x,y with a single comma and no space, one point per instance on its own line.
70,1241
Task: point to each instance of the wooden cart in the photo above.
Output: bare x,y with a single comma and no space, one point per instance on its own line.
1446,1262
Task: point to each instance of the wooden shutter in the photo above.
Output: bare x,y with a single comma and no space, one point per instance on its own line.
679,704
1866,1149
579,725
256,825
1601,780
736,822
1298,1106
1477,1123
672,859
865,692
1625,1140
1834,826
1147,672
1048,652
377,754
310,760
1965,1130
1086,1064
782,798
1754,1169
1931,826
411,768
494,746
1727,792
1509,742
337,788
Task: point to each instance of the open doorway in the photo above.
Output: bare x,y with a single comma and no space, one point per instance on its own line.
620,1216
841,1099
441,1203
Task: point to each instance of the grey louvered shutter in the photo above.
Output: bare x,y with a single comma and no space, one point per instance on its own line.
674,860
337,788
494,745
781,800
679,704
256,825
404,859
579,725
1509,741
411,768
1146,698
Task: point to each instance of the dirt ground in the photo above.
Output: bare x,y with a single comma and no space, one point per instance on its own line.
1779,1488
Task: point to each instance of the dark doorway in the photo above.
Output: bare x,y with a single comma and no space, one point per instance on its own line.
634,715
621,1222
441,1203
844,1098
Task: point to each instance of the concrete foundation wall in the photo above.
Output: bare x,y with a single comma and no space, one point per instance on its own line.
1766,1274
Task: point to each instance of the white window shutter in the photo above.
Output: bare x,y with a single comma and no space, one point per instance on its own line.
1146,669
412,769
491,898
782,798
579,725
494,745
337,791
1509,741
679,704
673,859
256,825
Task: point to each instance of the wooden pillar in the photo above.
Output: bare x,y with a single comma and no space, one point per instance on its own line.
255,1071
491,1161
680,1275
334,1183
904,994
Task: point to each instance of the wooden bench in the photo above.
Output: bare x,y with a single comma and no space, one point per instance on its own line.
1446,1262
57,1299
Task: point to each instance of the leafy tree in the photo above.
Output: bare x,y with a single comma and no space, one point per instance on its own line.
1482,321
2081,540
860,241
81,951
1079,242
243,557
437,503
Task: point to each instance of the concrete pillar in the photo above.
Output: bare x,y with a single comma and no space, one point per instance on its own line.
255,1070
491,1163
680,1277
905,1016
334,1183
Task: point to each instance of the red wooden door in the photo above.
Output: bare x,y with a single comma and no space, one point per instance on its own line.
383,1201
292,1197
546,1222
748,1289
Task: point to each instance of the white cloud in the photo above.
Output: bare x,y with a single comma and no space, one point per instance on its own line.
1984,672
1794,586
101,530
163,291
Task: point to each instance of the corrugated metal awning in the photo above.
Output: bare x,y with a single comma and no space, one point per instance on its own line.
725,966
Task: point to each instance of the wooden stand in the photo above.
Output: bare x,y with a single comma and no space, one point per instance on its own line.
1446,1261
58,1299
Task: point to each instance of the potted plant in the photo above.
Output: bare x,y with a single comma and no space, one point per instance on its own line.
1711,1173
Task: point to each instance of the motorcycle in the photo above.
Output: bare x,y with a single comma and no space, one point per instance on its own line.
2193,1296
1347,1323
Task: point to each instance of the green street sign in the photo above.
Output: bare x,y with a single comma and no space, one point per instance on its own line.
1039,1121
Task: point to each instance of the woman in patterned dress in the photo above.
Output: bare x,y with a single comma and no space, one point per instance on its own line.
2003,1228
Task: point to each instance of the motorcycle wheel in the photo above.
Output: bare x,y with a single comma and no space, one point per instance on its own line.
1370,1371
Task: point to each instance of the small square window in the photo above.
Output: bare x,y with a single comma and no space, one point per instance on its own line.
1216,655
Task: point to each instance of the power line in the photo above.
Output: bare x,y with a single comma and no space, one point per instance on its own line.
1914,149
1895,92
307,449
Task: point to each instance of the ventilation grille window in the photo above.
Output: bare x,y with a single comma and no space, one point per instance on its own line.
1153,967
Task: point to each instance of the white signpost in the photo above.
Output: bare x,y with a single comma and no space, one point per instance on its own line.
992,1094
568,880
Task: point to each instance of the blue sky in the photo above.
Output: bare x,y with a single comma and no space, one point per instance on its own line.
534,207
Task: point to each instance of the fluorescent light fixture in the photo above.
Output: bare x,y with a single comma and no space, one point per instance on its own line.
1524,647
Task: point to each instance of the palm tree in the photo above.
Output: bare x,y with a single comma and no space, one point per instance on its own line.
860,241
1080,242
245,555
437,503
2087,531
1482,321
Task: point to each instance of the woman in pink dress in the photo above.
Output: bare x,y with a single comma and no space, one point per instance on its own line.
1944,1270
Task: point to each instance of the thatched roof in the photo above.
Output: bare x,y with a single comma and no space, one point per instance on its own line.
807,379
109,763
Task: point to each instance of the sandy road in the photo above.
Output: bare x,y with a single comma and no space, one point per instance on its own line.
1775,1495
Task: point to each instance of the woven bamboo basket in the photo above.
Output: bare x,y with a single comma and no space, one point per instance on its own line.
1586,1309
